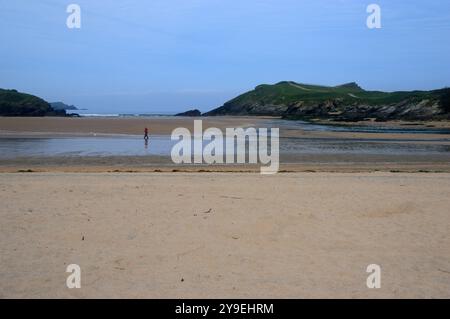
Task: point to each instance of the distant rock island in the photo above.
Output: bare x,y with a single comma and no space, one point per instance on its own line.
347,102
190,113
62,106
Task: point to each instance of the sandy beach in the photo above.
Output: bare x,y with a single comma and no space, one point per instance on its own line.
142,227
200,236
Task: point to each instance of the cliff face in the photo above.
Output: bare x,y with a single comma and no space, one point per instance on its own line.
347,102
13,103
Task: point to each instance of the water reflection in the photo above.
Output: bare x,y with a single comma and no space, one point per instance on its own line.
162,145
83,146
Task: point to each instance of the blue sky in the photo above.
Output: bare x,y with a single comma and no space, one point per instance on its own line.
172,55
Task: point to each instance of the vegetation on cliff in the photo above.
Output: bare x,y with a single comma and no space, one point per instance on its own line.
345,102
14,103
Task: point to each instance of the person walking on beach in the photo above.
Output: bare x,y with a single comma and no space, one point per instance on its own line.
146,134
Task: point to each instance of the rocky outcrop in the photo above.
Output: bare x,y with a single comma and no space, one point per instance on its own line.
347,102
335,109
190,113
62,106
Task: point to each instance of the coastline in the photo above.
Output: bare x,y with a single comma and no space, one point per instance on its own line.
132,127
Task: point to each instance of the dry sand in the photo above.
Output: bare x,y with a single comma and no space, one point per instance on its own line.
225,235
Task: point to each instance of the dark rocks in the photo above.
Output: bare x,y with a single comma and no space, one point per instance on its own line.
62,106
190,113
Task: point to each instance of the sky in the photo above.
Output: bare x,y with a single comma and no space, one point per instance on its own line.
166,56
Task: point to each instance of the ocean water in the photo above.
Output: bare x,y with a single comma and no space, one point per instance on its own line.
87,113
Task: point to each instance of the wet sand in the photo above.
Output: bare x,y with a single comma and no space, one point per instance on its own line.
68,127
392,123
306,163
96,126
54,126
296,235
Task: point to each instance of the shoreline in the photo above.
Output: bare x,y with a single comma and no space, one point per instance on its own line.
50,127
155,164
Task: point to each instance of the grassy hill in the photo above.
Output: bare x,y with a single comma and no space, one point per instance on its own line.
343,102
14,103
